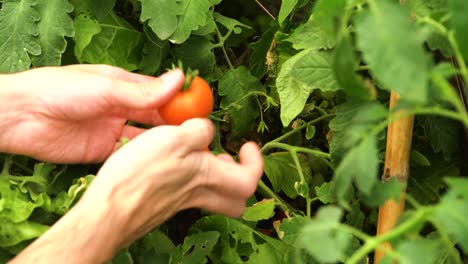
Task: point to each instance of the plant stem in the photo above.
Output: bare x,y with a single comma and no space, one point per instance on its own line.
290,148
297,129
267,192
222,39
459,58
372,243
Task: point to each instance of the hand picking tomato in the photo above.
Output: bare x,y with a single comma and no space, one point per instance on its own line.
194,101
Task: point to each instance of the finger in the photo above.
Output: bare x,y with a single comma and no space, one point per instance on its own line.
251,158
147,116
151,93
131,132
216,202
195,134
110,71
226,158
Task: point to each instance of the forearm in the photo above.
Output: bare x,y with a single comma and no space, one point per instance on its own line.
83,235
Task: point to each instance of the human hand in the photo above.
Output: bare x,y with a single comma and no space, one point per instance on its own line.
77,114
160,172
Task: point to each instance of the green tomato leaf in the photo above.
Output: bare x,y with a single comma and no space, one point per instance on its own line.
195,248
195,15
310,36
394,51
234,88
13,233
257,62
326,192
459,9
328,15
161,16
287,6
196,53
290,228
383,191
443,135
18,35
299,76
452,211
229,23
54,26
281,171
112,41
154,52
416,251
260,211
361,164
323,227
238,241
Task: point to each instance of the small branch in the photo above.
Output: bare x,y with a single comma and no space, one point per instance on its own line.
265,9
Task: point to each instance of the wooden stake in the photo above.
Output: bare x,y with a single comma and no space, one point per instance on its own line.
399,138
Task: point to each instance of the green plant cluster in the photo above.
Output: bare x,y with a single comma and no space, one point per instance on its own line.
310,85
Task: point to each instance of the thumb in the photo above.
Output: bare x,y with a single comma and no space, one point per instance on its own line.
147,92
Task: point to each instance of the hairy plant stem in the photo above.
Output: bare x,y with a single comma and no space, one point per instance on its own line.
267,192
222,39
371,243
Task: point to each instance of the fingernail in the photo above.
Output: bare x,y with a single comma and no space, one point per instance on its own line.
172,77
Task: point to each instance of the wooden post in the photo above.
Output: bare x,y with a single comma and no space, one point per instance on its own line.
399,138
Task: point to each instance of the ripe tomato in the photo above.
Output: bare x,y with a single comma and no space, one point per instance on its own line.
195,101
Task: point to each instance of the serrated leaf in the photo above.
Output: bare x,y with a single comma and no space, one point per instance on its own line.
344,69
154,52
234,88
416,251
326,192
299,76
259,211
394,51
195,14
195,248
257,61
281,171
452,211
196,53
290,228
54,26
161,16
18,35
14,233
459,9
287,6
328,15
101,8
361,165
323,227
110,41
238,241
310,36
230,23
443,135
383,191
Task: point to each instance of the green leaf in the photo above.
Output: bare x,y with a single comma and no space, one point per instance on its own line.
234,88
291,228
122,257
259,211
111,41
54,26
394,51
310,36
101,8
443,135
310,132
195,248
452,211
281,171
196,53
419,159
416,251
287,6
383,191
195,15
238,242
18,35
154,52
361,164
328,15
14,233
355,217
299,76
324,228
344,69
459,10
257,61
326,192
230,23
161,16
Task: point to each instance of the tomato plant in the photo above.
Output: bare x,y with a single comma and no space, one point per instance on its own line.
321,85
193,101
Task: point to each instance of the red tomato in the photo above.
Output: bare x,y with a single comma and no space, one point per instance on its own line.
195,101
